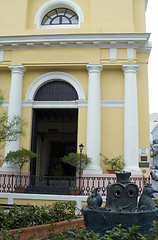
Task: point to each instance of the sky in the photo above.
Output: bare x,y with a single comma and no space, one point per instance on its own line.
152,27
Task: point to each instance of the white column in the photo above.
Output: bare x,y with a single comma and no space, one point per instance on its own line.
94,120
14,108
131,153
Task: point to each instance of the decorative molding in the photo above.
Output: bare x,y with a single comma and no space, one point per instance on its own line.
52,4
112,103
146,48
113,54
66,104
1,56
20,69
130,68
54,104
130,54
94,68
125,40
5,104
41,80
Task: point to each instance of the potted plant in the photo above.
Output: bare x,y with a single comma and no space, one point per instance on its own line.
115,164
58,171
79,161
74,190
20,158
74,160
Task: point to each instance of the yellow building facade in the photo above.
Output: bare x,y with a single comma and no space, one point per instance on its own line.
76,71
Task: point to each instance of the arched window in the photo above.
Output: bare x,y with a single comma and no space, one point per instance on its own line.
56,91
59,14
72,85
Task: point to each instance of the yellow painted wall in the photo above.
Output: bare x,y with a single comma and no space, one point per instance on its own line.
112,84
35,202
3,200
13,15
82,128
25,141
139,16
112,134
113,15
5,80
99,16
56,56
102,16
112,88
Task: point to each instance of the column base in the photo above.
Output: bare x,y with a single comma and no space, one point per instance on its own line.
134,170
9,168
92,170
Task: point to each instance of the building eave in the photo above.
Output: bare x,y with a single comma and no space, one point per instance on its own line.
107,40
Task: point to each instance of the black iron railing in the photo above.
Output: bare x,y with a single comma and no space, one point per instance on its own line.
59,185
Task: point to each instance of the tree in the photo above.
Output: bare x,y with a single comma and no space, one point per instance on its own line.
12,129
74,160
20,157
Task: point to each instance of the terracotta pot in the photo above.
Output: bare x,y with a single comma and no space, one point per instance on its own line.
75,191
20,189
112,171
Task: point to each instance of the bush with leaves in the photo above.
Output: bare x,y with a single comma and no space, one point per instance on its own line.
74,233
6,235
20,157
117,233
116,163
20,217
74,160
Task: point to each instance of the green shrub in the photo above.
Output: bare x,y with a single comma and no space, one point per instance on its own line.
5,235
19,217
74,160
117,233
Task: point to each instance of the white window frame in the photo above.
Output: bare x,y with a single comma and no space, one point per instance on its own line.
52,4
53,76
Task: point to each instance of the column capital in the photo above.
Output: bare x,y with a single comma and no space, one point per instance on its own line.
94,68
132,68
17,68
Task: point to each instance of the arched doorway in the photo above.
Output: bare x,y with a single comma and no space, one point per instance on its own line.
54,130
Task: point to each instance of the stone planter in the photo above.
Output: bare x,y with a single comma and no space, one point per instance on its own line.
43,231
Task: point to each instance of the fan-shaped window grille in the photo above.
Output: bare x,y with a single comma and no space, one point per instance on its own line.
60,16
56,91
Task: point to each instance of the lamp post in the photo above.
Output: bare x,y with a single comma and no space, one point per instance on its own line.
81,146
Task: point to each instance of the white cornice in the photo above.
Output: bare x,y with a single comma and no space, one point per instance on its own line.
112,103
67,104
135,40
